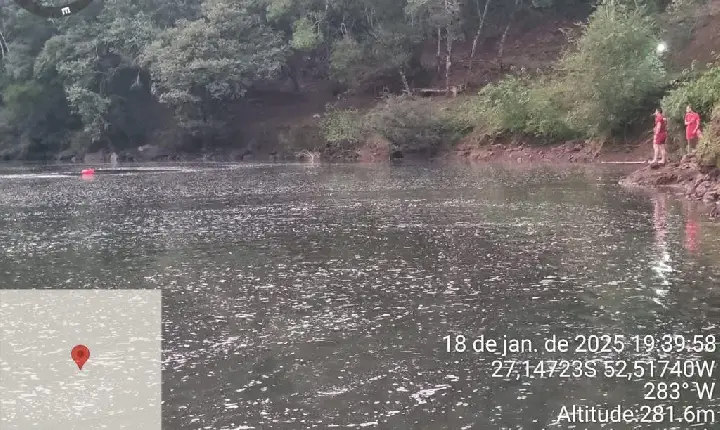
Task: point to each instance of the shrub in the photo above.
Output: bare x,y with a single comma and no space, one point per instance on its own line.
409,124
305,35
709,147
342,125
548,110
346,59
504,105
599,88
460,115
703,94
519,104
614,72
413,125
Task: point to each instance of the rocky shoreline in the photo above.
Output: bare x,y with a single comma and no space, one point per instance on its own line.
694,181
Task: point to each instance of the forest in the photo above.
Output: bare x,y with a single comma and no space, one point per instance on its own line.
187,75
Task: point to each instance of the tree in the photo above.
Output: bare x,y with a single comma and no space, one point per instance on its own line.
615,70
482,15
439,15
503,39
304,26
94,58
390,47
200,65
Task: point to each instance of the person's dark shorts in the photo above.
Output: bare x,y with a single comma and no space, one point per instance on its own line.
693,142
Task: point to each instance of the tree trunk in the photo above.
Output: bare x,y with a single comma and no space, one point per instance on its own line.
477,37
438,55
448,60
448,53
294,65
295,83
405,82
4,50
501,48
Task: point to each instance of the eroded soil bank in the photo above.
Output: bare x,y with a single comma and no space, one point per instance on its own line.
574,151
494,150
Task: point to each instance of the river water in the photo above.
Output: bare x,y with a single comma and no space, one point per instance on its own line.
319,297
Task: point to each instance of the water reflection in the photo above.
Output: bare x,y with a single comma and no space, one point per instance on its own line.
661,264
692,228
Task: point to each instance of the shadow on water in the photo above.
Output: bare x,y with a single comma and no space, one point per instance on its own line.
315,296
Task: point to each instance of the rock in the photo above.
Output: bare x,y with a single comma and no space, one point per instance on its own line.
687,158
702,188
715,213
667,179
712,194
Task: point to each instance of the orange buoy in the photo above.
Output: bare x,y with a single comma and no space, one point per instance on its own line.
88,172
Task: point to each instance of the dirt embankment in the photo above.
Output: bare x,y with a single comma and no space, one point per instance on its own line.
687,176
517,152
515,149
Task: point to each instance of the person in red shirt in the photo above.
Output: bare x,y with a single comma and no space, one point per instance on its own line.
692,128
659,136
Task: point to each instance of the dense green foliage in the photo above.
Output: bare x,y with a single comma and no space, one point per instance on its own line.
411,125
521,104
343,126
86,82
604,83
121,71
709,146
198,66
609,78
702,92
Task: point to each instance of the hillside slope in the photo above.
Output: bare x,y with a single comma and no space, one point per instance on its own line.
702,37
268,119
278,120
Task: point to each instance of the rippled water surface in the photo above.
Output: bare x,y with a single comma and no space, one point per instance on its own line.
300,297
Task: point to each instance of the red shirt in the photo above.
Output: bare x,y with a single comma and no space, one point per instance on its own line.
692,125
660,129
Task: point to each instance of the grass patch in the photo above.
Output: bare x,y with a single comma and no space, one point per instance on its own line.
411,125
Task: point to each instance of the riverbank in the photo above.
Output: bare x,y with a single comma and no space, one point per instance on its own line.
686,176
514,150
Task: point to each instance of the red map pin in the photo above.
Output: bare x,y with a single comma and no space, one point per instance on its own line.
80,354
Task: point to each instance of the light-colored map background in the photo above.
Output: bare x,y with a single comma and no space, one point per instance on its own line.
119,387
